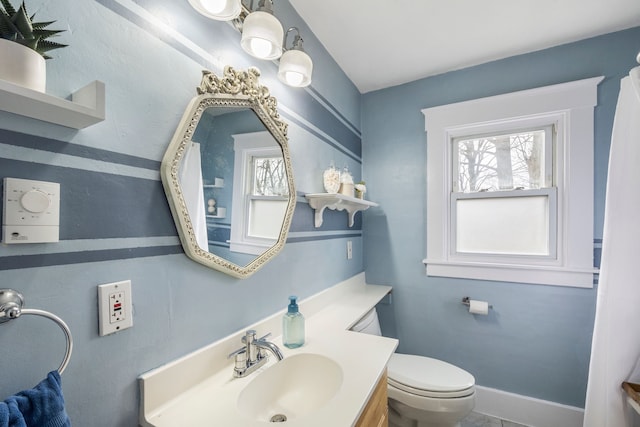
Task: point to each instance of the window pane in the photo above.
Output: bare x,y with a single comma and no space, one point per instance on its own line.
517,160
503,225
265,218
270,178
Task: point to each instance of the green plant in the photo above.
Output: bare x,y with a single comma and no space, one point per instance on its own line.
17,26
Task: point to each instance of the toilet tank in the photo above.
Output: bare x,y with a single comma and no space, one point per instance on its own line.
369,324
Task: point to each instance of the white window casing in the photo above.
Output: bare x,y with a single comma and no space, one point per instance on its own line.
252,216
569,108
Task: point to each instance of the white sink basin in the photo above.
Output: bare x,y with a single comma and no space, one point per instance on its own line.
292,388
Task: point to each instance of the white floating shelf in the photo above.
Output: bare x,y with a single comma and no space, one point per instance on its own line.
340,202
212,186
216,216
87,105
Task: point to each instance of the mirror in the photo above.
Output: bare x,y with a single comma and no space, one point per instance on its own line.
227,174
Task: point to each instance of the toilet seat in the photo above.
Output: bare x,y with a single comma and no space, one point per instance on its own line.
424,376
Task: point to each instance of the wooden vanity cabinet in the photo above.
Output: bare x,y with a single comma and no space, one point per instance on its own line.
376,412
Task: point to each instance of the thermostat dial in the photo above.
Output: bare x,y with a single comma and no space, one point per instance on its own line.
35,201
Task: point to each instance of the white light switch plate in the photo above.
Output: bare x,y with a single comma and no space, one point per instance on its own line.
114,306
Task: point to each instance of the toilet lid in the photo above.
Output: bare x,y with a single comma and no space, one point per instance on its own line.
420,373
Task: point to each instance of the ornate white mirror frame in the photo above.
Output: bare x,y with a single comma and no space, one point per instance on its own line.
235,89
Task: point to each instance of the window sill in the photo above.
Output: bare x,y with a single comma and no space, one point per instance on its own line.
541,275
249,247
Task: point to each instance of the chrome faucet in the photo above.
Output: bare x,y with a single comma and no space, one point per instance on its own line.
253,355
262,344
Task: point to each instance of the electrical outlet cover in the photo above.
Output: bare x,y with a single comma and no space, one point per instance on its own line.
114,306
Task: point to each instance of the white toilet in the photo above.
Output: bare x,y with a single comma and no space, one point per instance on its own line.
423,392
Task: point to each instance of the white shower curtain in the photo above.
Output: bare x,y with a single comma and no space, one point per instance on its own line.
191,183
616,336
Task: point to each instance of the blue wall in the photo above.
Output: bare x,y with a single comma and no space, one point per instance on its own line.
536,342
116,225
115,220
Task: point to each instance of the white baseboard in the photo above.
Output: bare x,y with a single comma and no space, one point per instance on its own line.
526,410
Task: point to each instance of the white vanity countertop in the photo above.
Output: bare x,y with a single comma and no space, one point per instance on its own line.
199,390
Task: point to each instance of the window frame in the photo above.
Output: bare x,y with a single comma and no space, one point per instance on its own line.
569,107
246,147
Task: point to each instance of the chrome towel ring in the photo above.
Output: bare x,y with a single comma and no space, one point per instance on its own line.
11,303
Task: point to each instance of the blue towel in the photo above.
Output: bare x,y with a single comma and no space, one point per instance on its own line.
42,406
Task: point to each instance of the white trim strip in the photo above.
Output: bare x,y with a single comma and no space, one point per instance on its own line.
317,130
162,26
14,152
80,245
303,234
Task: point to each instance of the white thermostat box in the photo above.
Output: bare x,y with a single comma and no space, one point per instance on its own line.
30,211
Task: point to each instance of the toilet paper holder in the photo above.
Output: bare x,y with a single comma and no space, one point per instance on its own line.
467,301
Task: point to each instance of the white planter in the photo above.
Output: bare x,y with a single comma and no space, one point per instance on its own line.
22,66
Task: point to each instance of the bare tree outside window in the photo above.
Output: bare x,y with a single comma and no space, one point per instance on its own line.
270,178
501,162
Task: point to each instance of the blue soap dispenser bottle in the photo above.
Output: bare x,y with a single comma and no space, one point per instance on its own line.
293,325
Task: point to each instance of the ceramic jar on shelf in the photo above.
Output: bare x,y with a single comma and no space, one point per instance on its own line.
346,183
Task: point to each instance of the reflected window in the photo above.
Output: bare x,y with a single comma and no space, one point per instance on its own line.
268,196
261,193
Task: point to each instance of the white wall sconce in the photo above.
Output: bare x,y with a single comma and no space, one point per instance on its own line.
263,36
220,10
262,33
295,65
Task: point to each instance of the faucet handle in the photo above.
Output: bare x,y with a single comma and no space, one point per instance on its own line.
241,361
237,352
264,337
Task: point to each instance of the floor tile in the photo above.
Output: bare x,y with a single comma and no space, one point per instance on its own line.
480,420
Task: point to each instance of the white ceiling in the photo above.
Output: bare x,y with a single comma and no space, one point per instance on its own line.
384,43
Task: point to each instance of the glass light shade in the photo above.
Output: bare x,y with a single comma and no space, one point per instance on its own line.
262,35
295,68
220,10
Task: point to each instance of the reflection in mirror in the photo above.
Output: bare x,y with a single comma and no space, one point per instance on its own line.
227,175
244,191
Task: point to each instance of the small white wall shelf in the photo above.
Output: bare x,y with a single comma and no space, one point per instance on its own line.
87,105
216,216
219,183
340,202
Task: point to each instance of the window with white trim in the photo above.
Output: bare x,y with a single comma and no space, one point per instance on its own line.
260,193
503,198
510,186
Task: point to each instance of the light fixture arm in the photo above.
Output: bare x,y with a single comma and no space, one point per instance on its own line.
297,40
264,6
